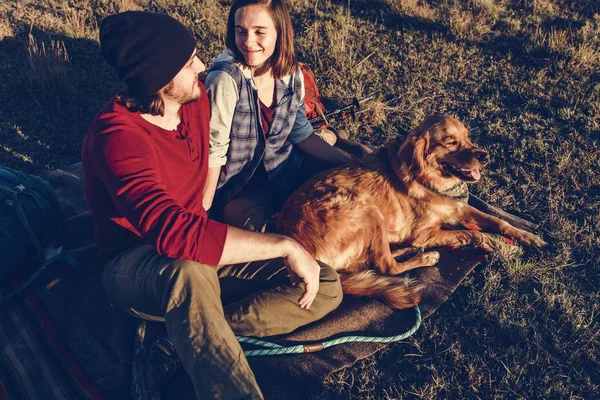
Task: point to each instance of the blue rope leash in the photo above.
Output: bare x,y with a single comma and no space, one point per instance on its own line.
272,349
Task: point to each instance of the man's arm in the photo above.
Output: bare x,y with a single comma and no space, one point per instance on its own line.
208,194
244,246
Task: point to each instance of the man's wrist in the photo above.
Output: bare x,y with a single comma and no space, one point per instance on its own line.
287,245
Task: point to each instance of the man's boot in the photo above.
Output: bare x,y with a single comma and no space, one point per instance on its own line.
154,361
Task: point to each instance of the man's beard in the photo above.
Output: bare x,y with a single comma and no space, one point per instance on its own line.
181,95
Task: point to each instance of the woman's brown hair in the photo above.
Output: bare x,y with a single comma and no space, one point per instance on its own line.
283,61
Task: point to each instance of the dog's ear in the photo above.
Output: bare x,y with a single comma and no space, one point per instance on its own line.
412,153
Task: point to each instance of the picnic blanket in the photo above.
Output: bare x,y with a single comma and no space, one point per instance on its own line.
61,340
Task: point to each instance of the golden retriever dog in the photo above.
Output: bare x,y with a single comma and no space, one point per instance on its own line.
406,194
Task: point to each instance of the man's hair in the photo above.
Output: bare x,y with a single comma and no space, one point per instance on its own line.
153,104
283,61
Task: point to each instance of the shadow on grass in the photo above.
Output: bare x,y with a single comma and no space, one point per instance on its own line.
52,87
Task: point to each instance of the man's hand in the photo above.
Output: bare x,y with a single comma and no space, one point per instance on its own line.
302,267
244,246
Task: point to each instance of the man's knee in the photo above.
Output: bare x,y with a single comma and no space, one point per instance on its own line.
330,288
191,279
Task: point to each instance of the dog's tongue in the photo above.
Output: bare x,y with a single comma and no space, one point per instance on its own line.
472,173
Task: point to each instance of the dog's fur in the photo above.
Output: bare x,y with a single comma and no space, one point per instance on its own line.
349,216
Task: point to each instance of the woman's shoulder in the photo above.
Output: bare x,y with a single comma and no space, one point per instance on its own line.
226,62
224,72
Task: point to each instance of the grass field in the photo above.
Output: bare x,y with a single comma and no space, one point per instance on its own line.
523,75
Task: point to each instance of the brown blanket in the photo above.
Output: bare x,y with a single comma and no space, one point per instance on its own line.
100,340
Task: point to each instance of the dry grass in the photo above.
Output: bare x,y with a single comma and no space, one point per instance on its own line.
415,9
5,29
554,41
470,21
492,9
206,18
48,62
79,23
74,21
523,75
545,9
130,5
585,56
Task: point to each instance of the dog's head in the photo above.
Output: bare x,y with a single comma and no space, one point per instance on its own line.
440,153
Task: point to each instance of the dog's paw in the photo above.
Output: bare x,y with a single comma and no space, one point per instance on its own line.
529,239
427,259
420,260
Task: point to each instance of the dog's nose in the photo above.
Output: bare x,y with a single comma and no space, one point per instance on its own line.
483,157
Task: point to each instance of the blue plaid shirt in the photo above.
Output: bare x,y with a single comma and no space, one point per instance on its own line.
249,145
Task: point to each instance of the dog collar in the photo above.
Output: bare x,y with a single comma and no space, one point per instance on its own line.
458,192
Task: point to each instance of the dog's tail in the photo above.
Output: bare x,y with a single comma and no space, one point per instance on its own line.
396,291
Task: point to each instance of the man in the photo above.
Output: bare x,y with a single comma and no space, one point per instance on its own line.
145,161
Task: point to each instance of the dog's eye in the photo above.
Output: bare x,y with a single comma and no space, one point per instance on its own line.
451,143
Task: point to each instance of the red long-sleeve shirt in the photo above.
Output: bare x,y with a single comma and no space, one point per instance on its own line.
143,184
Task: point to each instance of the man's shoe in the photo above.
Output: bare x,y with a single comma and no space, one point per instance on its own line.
154,361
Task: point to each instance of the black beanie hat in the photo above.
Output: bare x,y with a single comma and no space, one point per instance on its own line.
147,49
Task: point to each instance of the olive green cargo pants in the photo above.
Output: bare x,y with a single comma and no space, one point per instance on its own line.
259,301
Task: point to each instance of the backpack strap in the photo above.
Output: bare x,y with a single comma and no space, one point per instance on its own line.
62,256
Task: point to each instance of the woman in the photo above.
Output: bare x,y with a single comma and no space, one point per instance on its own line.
262,146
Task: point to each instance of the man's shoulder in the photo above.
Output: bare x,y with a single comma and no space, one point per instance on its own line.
114,116
113,110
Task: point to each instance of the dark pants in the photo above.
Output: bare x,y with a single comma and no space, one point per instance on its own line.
255,206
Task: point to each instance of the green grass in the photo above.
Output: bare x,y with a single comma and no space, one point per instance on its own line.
523,75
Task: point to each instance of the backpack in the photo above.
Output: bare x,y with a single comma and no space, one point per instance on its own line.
30,217
312,99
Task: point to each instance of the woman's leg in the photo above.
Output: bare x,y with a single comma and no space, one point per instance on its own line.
253,208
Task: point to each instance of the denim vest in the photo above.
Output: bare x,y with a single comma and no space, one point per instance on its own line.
249,145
